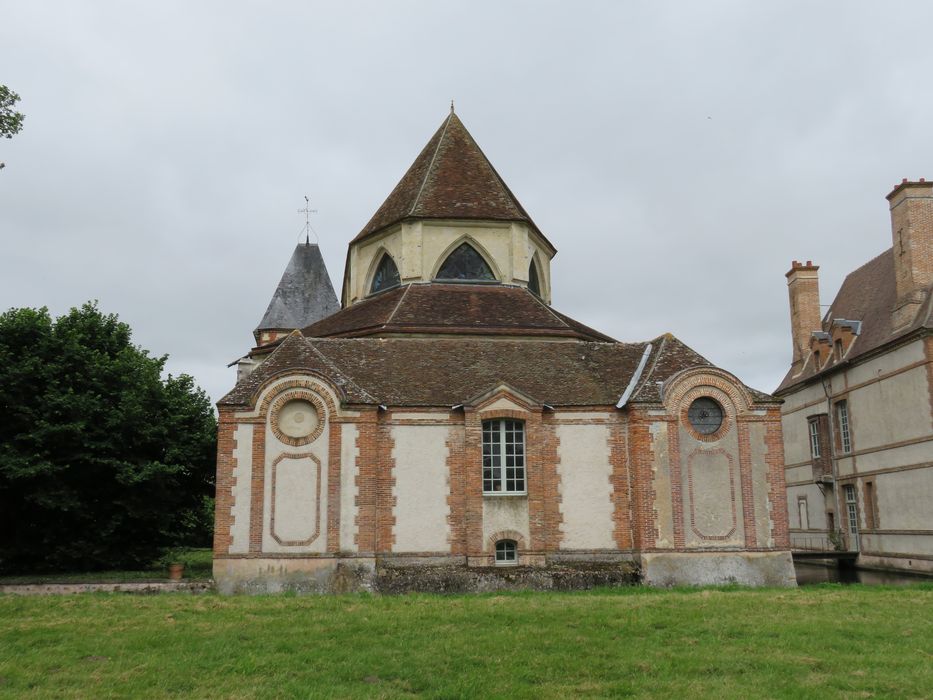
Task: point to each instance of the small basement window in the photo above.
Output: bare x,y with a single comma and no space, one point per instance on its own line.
506,552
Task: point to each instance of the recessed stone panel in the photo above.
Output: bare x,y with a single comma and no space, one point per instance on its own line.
712,490
296,499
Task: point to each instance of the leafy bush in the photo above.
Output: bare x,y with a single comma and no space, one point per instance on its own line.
103,463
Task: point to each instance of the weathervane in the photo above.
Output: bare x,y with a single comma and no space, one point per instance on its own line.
308,211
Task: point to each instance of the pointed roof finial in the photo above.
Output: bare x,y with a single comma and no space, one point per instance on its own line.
451,106
308,211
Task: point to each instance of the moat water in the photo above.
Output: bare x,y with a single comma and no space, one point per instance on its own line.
809,573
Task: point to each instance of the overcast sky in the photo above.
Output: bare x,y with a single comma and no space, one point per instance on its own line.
678,154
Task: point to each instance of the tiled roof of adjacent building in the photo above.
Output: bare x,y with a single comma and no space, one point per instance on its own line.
445,372
453,309
868,294
450,179
305,293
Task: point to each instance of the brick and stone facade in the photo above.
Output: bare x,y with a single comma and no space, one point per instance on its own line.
361,452
858,401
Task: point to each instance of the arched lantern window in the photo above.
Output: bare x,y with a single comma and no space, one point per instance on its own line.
386,275
464,263
534,285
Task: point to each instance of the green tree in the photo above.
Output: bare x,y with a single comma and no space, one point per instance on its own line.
11,121
102,461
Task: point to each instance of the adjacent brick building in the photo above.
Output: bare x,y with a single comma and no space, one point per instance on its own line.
858,427
447,429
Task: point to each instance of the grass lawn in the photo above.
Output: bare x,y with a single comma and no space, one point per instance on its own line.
824,641
198,567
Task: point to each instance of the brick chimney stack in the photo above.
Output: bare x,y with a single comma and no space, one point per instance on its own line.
803,286
912,230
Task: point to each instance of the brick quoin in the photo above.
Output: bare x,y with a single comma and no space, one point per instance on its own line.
620,485
643,497
226,463
367,480
385,487
473,483
333,487
456,498
677,491
774,457
745,478
257,491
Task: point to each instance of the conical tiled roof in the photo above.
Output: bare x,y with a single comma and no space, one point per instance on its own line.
450,179
305,294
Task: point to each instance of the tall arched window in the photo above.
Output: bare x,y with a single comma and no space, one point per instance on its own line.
533,284
465,264
386,275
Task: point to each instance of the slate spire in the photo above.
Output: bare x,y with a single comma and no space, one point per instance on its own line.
450,179
304,296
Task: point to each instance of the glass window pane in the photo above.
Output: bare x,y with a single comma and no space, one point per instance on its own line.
386,275
464,263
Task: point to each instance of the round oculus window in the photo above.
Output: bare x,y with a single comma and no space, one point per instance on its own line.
705,415
298,419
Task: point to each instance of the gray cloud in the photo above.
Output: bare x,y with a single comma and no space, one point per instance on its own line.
678,154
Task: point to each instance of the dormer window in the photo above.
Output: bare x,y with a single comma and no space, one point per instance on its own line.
837,350
386,275
816,360
465,264
533,284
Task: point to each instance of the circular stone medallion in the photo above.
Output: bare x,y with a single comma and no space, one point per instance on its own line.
298,419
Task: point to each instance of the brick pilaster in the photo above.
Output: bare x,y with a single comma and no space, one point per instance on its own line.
226,463
745,481
334,444
257,488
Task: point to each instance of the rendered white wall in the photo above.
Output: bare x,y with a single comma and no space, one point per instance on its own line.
661,485
585,487
421,488
242,488
349,491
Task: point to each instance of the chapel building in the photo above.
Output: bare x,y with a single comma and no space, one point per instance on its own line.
448,429
858,400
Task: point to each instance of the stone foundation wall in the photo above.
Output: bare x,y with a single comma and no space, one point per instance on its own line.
576,576
665,569
451,574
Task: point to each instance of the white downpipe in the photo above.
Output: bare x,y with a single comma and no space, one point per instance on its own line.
635,377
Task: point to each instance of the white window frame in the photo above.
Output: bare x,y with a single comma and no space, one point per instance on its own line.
814,438
496,447
845,437
507,555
